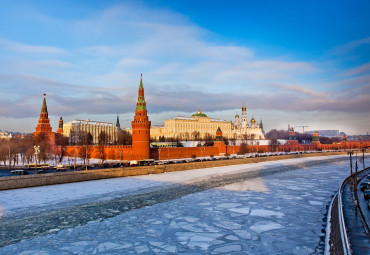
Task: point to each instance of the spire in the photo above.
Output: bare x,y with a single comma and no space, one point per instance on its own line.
141,82
44,123
141,104
117,123
44,108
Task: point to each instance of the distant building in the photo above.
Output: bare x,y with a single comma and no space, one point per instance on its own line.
326,133
95,128
5,135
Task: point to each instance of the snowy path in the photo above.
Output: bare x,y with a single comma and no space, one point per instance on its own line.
268,214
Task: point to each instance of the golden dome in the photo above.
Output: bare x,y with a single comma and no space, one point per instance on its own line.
253,121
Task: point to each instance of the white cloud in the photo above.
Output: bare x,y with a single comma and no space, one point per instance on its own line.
183,65
26,48
350,46
365,68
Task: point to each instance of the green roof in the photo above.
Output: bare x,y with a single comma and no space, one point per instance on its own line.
199,114
141,82
44,108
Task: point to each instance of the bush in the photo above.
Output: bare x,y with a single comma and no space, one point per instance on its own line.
193,156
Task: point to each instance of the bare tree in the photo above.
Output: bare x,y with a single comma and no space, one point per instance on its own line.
124,138
208,140
44,141
195,135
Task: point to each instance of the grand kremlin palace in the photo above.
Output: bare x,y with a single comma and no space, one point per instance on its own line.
185,128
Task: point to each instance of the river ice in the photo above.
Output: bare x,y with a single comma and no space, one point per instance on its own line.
272,214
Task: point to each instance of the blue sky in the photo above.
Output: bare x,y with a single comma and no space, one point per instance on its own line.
291,62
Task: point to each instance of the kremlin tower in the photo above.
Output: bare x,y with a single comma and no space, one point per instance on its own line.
141,128
316,137
43,127
60,129
219,142
44,123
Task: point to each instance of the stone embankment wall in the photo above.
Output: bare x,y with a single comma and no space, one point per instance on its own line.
14,182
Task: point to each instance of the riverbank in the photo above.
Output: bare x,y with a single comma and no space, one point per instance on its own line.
14,182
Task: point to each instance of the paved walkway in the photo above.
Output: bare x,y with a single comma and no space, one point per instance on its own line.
359,239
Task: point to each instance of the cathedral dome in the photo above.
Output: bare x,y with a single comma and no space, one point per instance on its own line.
253,121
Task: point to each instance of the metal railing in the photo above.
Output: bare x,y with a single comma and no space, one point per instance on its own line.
342,225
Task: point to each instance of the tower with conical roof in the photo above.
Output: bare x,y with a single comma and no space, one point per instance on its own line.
118,125
44,123
43,128
141,127
60,128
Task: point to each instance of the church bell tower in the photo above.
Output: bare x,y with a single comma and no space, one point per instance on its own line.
244,117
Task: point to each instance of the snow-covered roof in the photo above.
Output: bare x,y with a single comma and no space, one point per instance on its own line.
89,122
191,118
183,118
218,120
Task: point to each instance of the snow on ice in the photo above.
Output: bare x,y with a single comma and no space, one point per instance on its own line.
274,214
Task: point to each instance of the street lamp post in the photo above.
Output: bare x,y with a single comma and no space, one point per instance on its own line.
201,154
350,160
363,157
74,167
37,151
10,162
86,156
356,198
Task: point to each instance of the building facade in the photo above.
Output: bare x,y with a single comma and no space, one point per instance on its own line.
75,128
199,126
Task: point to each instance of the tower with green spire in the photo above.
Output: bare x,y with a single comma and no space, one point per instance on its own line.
141,104
141,127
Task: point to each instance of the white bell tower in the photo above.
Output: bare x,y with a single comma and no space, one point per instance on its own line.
244,117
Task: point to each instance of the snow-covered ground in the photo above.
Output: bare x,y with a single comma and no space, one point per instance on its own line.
272,214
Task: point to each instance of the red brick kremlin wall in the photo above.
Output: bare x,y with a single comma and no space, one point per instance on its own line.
113,152
99,152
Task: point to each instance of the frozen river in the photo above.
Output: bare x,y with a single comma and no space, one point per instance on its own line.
264,208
